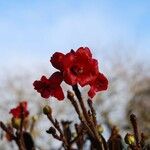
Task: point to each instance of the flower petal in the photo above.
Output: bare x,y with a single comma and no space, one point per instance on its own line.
58,93
84,52
56,78
69,78
91,92
57,60
99,84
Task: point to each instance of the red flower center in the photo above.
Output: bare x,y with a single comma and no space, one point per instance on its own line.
76,70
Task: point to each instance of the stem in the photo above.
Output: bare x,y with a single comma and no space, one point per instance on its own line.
92,111
21,143
78,94
135,129
3,126
57,126
99,142
16,139
81,117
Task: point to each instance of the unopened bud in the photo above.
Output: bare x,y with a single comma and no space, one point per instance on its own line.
70,94
74,135
16,122
129,139
100,129
51,130
47,110
35,118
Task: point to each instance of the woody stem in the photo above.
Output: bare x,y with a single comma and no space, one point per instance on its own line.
88,119
3,126
81,117
135,129
21,143
57,126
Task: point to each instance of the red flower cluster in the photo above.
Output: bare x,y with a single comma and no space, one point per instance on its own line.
19,110
74,68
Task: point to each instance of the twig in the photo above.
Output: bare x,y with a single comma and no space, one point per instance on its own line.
3,126
92,111
75,104
88,119
135,129
57,126
20,140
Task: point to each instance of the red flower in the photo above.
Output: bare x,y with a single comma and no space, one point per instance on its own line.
81,68
99,84
50,87
20,110
77,67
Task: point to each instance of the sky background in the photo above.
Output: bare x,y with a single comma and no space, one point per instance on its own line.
30,31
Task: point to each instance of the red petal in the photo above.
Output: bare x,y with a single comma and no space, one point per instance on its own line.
44,79
69,78
56,78
45,94
36,84
57,60
16,112
91,93
102,82
84,51
99,84
90,72
68,60
58,93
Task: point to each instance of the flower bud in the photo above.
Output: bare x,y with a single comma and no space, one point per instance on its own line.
74,134
70,94
47,110
16,122
100,129
51,130
129,139
34,118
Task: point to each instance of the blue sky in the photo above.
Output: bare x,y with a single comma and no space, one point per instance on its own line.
30,31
